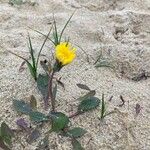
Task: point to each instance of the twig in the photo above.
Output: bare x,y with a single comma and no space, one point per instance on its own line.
110,98
123,101
89,141
75,114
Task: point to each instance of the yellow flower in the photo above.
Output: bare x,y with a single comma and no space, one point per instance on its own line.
65,54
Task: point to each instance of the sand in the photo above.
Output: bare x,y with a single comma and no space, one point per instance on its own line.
120,30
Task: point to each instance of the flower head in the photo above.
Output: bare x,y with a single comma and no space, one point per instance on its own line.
65,53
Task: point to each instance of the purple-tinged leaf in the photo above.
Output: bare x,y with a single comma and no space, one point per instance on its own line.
22,123
35,134
83,86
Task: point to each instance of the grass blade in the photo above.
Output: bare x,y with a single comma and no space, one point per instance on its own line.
31,52
31,68
55,33
43,35
19,56
65,26
33,71
43,46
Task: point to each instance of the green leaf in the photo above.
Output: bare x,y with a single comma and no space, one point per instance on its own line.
76,132
104,63
33,102
89,94
88,104
42,84
15,2
76,145
38,116
21,106
6,133
59,121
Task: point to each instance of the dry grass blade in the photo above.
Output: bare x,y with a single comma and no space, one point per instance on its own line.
87,56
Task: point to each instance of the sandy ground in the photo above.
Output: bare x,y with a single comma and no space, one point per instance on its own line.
120,29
